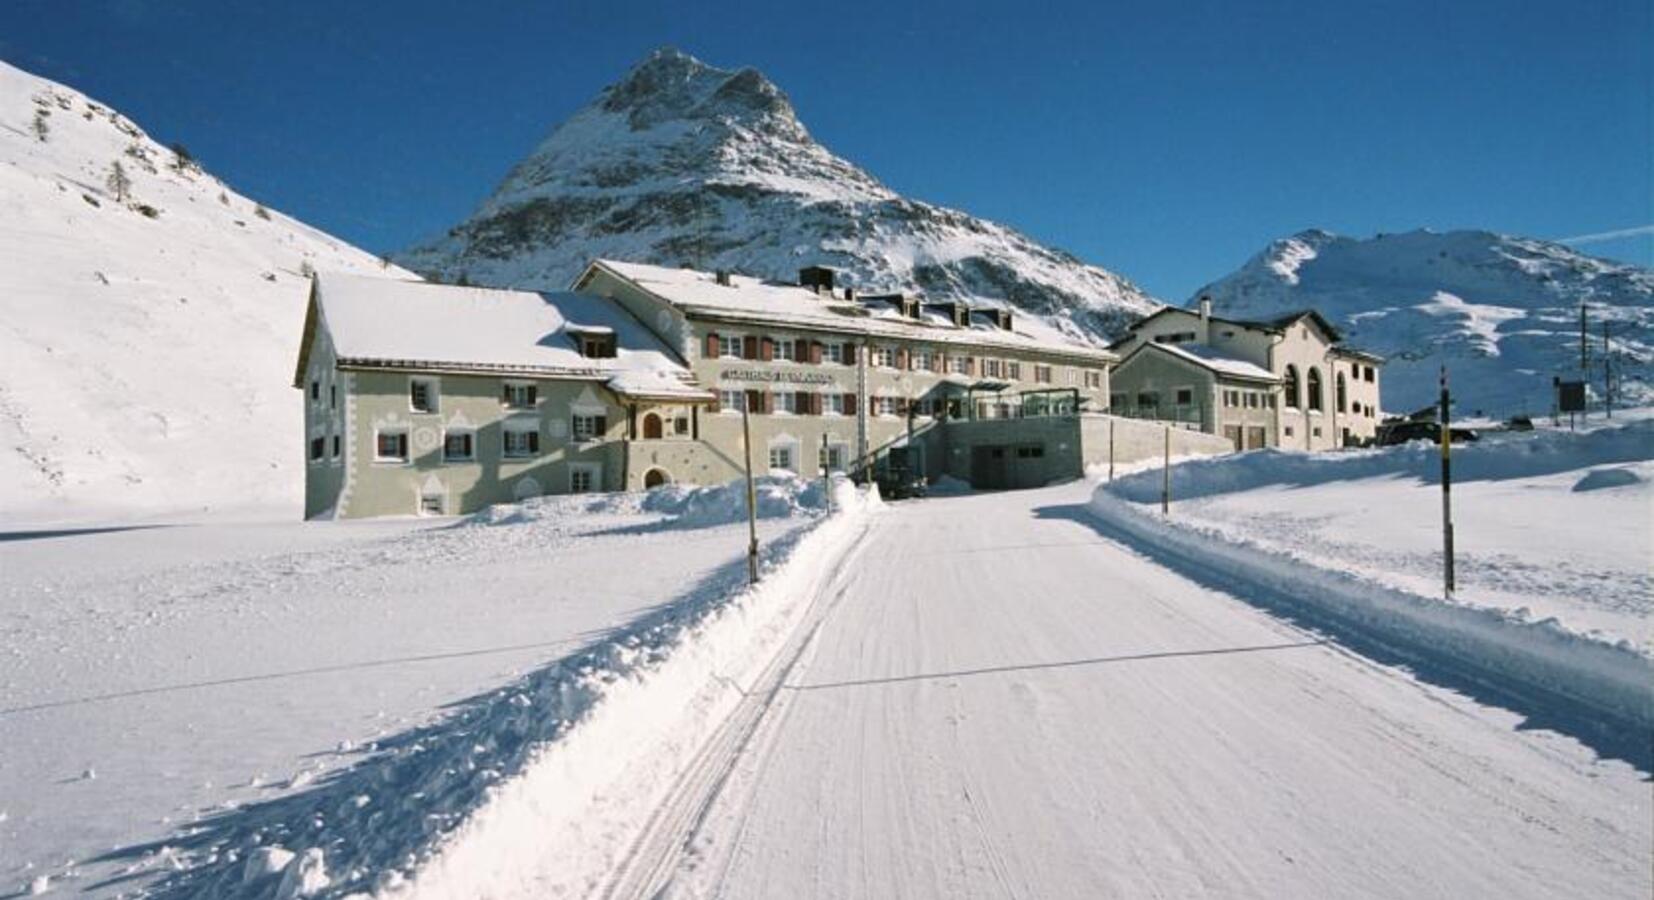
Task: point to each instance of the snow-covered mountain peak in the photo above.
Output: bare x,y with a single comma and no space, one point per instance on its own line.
683,162
672,85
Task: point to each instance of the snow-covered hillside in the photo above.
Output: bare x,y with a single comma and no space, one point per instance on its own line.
681,162
149,321
1501,311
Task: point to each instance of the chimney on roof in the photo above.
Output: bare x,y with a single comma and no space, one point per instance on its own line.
849,293
818,278
1205,318
722,276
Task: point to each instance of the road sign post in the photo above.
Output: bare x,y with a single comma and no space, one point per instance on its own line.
1446,438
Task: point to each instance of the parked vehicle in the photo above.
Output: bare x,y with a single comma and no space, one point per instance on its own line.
897,477
1390,433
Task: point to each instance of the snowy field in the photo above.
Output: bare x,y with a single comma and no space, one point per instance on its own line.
1029,693
1549,525
152,677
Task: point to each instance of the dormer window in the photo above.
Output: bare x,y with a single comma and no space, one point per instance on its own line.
593,342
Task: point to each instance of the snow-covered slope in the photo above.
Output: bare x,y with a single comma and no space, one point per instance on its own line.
1501,311
146,344
681,162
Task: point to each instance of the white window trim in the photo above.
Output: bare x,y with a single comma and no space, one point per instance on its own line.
510,428
435,384
595,470
456,432
407,445
725,342
725,406
514,385
574,432
792,447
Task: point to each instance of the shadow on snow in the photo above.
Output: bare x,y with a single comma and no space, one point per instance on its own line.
1540,709
386,811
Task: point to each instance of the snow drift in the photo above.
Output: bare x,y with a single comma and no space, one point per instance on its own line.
1497,456
1610,678
678,505
547,779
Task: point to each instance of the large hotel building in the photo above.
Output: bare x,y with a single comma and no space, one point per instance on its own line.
441,399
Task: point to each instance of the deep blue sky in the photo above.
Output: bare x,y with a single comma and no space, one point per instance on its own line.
1167,141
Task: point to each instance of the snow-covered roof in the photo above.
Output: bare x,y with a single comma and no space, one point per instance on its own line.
1212,360
416,324
770,302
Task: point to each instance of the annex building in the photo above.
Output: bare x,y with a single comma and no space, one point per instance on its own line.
1283,382
425,398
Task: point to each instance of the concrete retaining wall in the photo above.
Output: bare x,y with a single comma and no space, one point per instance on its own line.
1135,440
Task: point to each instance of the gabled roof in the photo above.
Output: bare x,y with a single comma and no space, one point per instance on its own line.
788,305
389,323
1220,364
1275,325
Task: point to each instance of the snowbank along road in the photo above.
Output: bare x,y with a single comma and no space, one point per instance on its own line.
1003,700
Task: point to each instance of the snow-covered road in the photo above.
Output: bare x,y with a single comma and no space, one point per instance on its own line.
1001,701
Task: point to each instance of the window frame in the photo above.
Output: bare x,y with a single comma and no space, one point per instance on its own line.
379,434
597,430
530,432
433,395
470,437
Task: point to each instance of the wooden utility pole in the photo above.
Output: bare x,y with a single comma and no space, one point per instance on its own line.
1446,437
1111,449
1607,374
1166,476
752,493
826,474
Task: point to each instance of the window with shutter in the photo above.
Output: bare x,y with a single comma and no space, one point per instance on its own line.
749,347
766,349
815,352
713,348
391,446
848,354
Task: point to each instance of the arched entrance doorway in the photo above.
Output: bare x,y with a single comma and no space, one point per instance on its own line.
654,478
651,427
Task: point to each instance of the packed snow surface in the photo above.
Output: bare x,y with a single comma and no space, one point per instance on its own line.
1502,312
210,703
148,329
995,694
1011,698
1551,526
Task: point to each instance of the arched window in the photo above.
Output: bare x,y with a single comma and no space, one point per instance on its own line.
1290,389
1343,395
651,427
1314,388
654,478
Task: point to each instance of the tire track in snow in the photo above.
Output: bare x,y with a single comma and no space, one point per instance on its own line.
648,866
